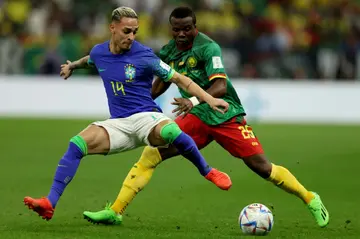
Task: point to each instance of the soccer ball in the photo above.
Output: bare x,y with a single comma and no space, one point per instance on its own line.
256,219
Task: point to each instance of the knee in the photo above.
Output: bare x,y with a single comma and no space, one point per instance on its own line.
88,136
96,139
80,143
150,157
259,164
170,132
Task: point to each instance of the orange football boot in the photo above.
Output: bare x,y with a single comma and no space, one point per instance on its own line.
220,179
42,206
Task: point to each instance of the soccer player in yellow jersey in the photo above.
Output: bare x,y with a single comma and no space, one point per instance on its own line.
195,55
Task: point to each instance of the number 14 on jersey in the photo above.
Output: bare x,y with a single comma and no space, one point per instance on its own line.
118,88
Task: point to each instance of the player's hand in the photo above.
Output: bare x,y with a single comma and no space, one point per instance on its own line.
66,71
219,105
184,106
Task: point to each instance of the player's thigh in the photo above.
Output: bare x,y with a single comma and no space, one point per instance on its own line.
119,133
195,128
147,127
237,138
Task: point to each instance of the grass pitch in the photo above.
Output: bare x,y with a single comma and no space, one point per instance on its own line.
178,202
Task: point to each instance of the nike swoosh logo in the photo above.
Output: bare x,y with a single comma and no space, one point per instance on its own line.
101,69
63,166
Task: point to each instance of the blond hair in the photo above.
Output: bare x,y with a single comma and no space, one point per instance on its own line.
121,12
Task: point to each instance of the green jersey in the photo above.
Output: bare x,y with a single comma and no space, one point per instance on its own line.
203,63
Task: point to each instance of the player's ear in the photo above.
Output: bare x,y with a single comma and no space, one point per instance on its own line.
112,27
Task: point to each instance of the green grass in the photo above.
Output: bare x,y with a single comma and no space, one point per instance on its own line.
178,203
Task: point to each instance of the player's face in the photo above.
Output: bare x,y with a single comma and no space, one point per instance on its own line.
183,30
123,32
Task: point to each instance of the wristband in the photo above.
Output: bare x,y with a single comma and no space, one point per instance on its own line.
194,101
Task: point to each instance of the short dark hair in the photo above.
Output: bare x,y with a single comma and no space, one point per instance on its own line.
182,12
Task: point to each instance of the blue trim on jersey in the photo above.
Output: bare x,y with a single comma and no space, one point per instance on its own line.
90,62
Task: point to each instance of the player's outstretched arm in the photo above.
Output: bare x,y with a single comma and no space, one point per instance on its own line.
194,89
218,88
159,87
68,68
184,106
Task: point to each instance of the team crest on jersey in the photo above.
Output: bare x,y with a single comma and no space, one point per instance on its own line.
191,62
130,72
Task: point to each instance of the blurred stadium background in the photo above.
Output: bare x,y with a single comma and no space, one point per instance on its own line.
295,39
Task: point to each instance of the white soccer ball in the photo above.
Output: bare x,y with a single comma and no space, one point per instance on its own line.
256,219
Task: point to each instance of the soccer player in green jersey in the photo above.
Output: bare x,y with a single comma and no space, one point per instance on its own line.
195,55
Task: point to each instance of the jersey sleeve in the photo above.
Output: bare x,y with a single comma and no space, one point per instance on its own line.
92,56
160,68
213,62
90,62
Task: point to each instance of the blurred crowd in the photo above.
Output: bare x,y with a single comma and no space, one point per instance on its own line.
282,39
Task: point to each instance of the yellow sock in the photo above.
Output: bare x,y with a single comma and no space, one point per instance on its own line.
282,178
139,175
